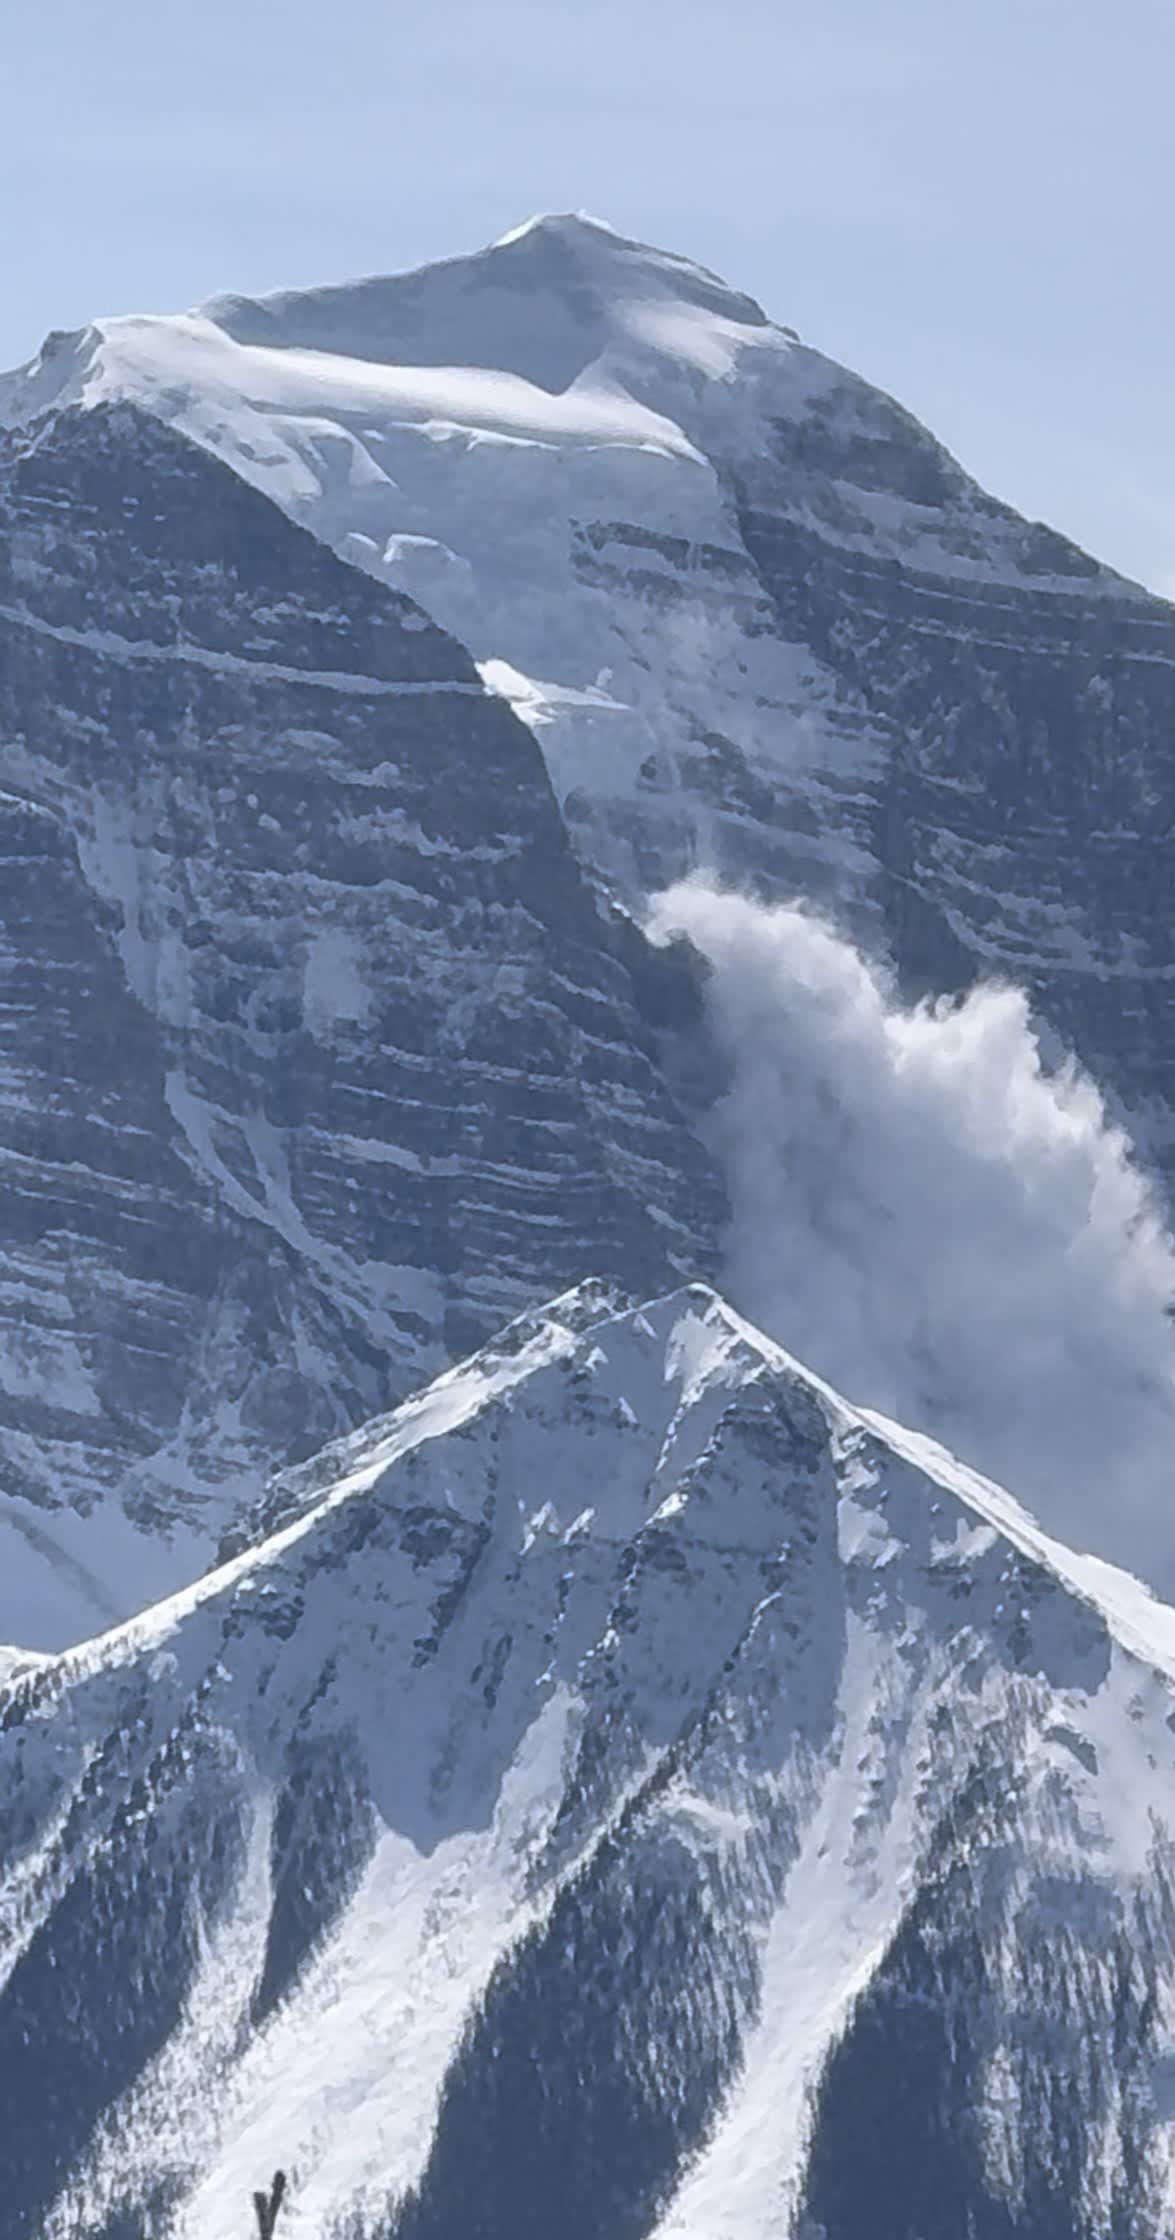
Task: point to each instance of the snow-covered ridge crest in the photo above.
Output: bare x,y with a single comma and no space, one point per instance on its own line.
553,307
546,302
664,1361
616,1711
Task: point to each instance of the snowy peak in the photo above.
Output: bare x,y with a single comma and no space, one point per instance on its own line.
656,1381
561,338
565,1789
563,332
545,303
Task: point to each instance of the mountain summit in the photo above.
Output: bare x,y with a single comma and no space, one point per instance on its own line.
759,620
557,300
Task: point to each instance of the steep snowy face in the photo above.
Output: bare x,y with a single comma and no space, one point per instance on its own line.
520,439
759,620
623,1778
318,1058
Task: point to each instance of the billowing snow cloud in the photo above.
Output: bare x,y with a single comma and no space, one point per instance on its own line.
942,1227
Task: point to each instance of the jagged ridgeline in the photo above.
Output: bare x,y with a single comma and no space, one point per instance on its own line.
626,1794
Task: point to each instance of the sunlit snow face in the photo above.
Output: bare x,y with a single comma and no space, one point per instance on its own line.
944,1228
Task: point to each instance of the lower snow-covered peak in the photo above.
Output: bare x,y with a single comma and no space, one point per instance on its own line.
569,1785
641,1400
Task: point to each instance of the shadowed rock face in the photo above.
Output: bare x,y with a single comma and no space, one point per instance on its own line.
975,2072
317,1056
1024,806
627,1793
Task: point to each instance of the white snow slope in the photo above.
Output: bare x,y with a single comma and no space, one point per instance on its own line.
537,441
627,1649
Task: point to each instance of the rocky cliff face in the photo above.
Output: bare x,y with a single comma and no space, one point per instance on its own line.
319,1057
627,1792
1022,821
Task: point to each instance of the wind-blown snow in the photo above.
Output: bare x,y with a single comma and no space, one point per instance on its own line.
954,1233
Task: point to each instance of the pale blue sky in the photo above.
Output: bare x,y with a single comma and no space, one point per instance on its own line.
972,201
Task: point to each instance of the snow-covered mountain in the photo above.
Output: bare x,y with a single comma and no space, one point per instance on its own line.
626,1791
318,1056
759,619
327,1048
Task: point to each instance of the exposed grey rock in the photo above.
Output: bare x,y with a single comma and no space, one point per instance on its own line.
1023,814
320,1057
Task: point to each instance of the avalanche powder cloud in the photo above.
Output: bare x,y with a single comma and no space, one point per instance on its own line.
944,1228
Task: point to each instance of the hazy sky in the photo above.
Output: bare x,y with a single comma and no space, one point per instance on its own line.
971,201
